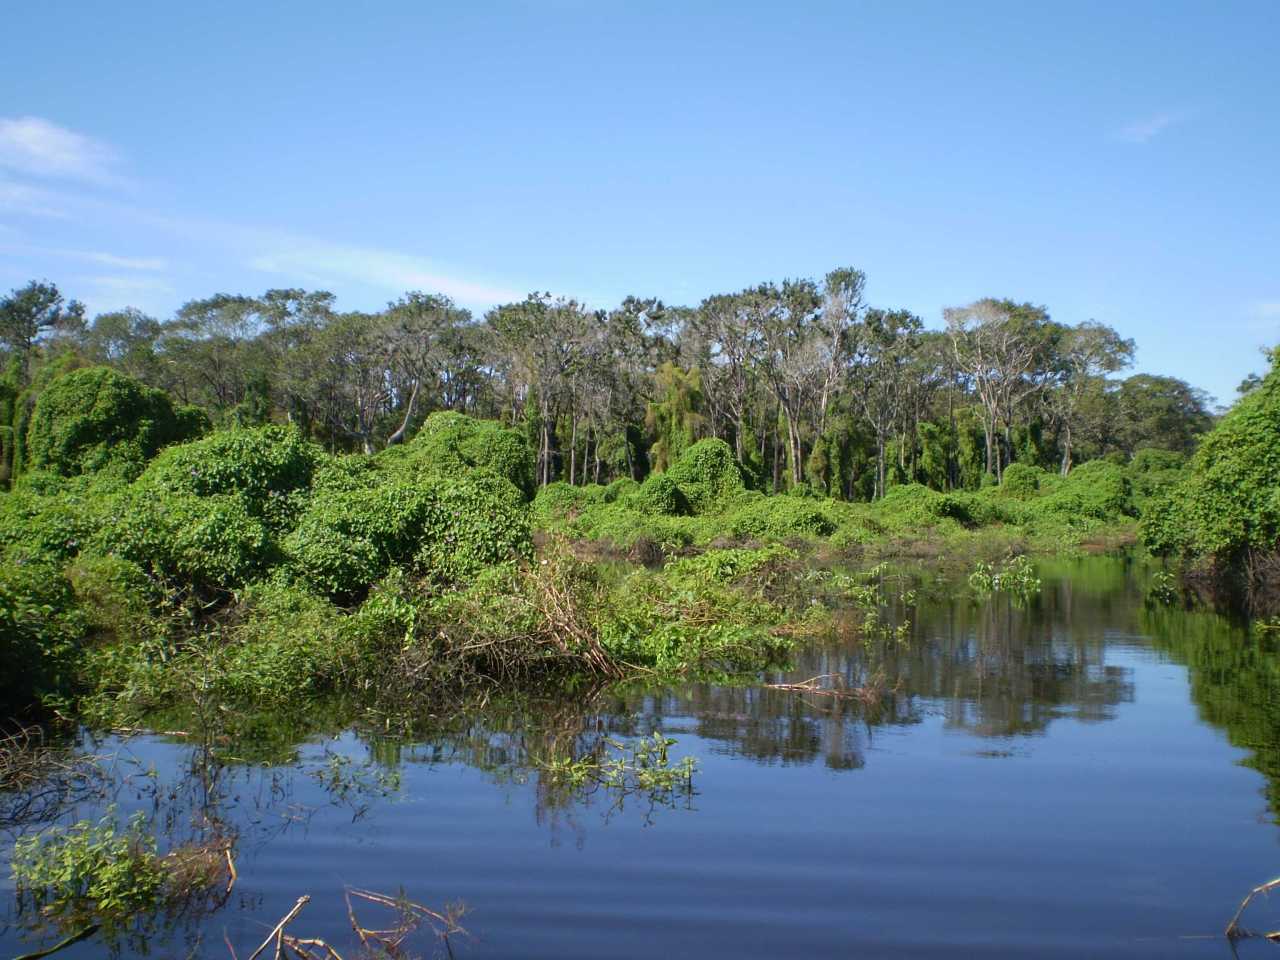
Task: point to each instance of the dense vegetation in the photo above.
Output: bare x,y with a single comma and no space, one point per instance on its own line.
1223,511
263,499
809,386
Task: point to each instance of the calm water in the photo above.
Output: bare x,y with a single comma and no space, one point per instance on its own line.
1079,777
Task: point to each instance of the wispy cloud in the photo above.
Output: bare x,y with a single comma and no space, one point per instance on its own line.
30,201
41,148
124,263
112,282
1141,131
112,292
86,256
389,270
1265,309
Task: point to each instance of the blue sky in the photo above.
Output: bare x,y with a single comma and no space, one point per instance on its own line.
1114,161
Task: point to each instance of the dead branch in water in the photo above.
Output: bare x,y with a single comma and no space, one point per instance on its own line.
410,917
1236,932
39,779
277,933
869,693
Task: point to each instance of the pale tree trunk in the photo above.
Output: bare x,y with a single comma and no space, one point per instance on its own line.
399,435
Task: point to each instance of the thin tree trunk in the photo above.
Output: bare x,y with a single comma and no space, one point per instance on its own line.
573,449
399,435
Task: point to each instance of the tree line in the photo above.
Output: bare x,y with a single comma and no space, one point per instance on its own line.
813,388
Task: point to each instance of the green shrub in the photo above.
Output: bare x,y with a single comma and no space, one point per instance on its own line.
263,466
93,418
114,595
660,495
1021,481
1096,490
212,542
557,500
442,528
452,445
40,631
622,487
1228,503
708,473
45,528
781,518
287,643
912,506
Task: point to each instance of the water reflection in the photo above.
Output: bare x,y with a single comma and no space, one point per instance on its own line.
994,670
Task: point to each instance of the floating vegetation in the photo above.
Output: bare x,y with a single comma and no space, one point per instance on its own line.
1016,576
622,769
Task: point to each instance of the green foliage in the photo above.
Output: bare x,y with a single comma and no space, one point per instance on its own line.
441,529
560,500
40,630
1017,575
708,474
770,518
913,506
289,642
94,418
452,445
1020,481
114,595
211,542
88,871
47,526
1228,503
708,613
1093,491
260,466
660,495
620,488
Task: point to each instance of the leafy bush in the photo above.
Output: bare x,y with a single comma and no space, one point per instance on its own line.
212,542
708,473
912,506
114,595
93,418
1098,490
660,495
288,642
441,528
620,488
558,500
45,528
453,445
40,630
261,465
1022,482
1228,503
781,518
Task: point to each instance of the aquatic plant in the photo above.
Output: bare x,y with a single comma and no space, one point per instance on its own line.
1017,575
100,871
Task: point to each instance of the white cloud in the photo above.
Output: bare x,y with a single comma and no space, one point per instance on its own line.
1266,309
394,272
89,256
125,263
30,201
123,284
1140,131
38,147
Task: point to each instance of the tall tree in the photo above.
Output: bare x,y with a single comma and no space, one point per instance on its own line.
31,312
